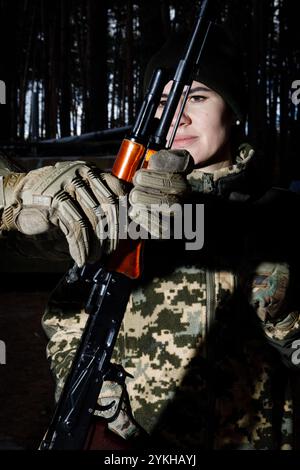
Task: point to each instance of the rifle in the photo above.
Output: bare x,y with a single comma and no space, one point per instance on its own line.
112,285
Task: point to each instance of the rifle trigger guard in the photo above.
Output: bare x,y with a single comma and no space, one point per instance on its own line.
117,373
106,407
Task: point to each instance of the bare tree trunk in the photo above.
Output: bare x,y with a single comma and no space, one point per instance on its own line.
51,101
96,70
129,61
8,71
79,64
65,78
30,13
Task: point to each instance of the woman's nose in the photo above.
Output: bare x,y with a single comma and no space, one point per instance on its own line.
184,118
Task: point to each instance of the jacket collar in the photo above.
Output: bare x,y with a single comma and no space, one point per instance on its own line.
226,181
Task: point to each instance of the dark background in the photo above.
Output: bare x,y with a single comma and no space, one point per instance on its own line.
76,66
26,386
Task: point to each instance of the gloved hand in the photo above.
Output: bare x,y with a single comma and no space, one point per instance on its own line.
159,190
73,196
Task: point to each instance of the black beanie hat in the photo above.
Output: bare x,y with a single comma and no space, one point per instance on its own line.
220,65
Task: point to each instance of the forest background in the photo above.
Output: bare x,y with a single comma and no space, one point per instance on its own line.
77,66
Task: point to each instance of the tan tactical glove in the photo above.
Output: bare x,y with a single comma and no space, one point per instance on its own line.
73,196
159,190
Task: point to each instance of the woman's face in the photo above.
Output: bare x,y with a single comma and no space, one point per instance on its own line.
204,127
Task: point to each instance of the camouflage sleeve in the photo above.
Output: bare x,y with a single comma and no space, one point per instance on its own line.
64,330
63,322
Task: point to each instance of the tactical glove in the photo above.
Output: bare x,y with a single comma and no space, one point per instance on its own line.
159,190
73,196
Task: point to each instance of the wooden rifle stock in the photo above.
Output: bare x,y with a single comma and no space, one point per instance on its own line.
127,259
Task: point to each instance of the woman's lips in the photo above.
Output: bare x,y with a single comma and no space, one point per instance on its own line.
181,141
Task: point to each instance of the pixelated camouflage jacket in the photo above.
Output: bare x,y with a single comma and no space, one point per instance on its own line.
197,339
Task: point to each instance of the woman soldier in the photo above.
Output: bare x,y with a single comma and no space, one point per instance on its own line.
196,335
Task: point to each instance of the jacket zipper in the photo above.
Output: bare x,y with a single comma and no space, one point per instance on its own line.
209,354
210,307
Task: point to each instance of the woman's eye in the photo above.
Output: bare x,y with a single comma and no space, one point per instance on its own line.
162,103
197,98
